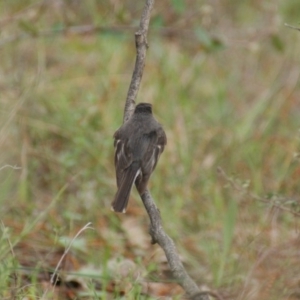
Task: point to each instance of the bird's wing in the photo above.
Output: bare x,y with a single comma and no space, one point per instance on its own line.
161,139
123,157
156,143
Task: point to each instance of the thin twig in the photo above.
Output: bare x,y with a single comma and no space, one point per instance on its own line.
141,48
160,237
52,281
87,226
10,166
240,188
290,26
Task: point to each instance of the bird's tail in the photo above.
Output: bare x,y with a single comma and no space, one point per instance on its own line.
122,196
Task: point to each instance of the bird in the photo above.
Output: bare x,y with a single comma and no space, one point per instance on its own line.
138,145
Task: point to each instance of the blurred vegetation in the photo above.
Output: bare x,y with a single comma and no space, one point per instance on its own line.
223,77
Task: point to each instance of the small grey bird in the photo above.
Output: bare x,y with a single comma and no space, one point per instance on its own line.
138,143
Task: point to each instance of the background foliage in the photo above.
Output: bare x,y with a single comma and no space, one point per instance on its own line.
223,77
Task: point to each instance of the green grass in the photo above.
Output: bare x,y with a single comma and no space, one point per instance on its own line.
233,107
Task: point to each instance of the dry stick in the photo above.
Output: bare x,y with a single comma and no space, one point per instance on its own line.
87,226
241,189
292,27
156,230
166,243
52,279
141,48
10,166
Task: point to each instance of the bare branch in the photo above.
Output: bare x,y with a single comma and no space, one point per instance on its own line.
141,48
166,243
